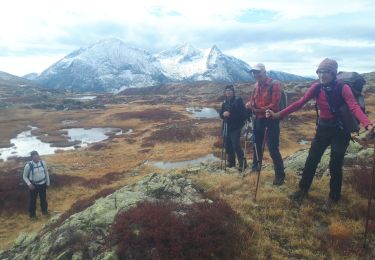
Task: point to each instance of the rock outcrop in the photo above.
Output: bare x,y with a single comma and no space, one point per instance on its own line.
83,235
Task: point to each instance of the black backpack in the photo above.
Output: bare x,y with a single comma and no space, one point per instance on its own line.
338,106
283,99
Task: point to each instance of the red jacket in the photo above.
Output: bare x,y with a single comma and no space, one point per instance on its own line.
261,97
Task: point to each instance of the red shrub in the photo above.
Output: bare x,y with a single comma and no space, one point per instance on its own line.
14,193
148,144
98,146
104,180
150,114
176,132
360,179
166,230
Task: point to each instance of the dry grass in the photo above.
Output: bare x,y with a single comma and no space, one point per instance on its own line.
280,229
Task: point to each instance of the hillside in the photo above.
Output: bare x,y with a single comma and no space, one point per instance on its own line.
90,185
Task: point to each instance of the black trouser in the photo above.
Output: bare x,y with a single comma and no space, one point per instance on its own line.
233,146
339,141
41,190
273,141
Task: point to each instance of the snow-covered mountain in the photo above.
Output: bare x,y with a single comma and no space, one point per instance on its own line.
186,63
111,65
31,76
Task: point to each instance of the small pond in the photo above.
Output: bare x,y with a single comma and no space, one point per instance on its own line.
203,112
25,142
181,164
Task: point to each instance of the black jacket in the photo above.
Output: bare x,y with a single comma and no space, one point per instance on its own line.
237,111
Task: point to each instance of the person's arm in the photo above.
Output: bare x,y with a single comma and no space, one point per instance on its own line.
309,94
47,173
251,103
240,112
354,107
25,176
222,111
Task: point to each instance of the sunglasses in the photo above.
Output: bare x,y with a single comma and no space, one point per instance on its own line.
323,72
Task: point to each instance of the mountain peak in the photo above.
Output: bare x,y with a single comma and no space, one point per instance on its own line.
215,49
113,65
110,40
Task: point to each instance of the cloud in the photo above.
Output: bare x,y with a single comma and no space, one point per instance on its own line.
285,33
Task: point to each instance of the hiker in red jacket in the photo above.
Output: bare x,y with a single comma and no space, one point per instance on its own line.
329,131
259,102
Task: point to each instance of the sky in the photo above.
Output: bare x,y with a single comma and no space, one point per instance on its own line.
291,36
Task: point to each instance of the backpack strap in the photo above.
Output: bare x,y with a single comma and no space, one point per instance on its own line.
316,95
270,88
31,170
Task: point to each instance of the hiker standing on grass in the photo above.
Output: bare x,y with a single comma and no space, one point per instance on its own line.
234,112
329,131
261,100
36,176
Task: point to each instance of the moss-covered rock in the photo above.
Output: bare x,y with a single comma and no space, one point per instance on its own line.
84,234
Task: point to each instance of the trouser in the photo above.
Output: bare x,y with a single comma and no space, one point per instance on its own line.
324,137
41,190
233,147
273,141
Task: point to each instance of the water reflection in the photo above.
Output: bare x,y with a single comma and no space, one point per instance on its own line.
181,164
25,142
84,98
203,112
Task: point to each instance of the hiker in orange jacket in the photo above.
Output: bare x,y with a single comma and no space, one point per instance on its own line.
260,101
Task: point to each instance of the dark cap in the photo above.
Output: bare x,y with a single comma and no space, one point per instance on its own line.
229,87
34,153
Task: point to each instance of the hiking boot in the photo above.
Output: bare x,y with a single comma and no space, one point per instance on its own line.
278,181
45,213
298,195
328,205
242,166
32,217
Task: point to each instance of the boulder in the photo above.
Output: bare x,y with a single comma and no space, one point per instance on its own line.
84,234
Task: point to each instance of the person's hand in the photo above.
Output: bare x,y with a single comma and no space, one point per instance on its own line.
226,114
31,186
271,114
248,105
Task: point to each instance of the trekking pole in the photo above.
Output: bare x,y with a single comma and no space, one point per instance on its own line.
253,140
244,150
260,162
223,150
369,201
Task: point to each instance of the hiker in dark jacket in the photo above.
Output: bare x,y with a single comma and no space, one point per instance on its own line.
329,130
234,112
36,176
259,102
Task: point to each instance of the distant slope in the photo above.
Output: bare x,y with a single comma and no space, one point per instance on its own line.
14,89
